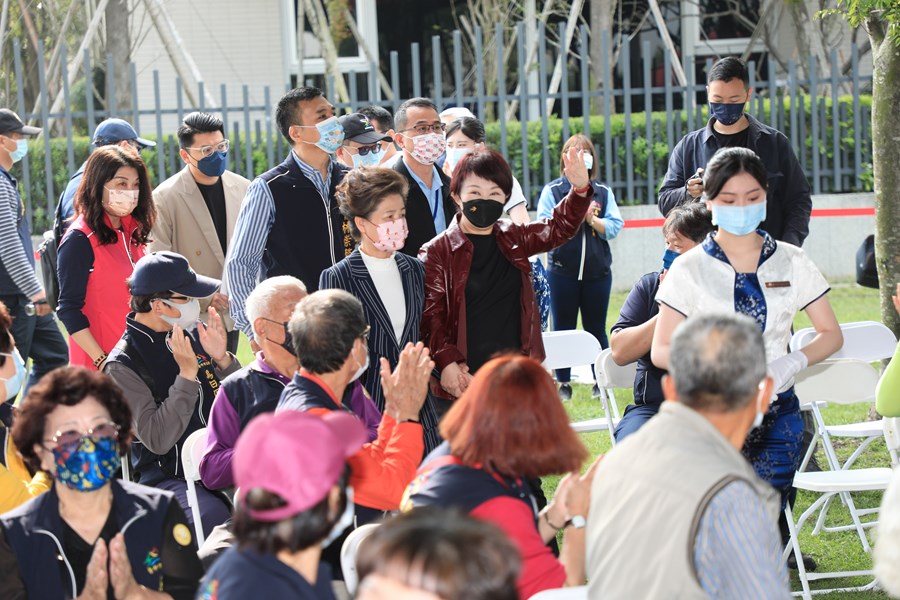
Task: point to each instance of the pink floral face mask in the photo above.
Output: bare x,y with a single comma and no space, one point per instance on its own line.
428,148
391,235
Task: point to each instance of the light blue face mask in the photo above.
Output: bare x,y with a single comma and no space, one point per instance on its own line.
739,220
366,160
331,135
14,383
20,151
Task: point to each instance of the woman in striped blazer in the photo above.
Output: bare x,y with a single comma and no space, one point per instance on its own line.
390,284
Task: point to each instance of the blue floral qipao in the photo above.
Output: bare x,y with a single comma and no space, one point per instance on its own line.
786,281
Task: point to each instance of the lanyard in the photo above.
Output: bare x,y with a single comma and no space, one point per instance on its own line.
434,211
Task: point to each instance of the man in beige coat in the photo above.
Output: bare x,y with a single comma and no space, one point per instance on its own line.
198,207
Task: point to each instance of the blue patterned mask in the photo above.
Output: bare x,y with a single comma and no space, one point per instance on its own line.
739,220
87,465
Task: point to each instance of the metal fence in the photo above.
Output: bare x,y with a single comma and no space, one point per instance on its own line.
828,131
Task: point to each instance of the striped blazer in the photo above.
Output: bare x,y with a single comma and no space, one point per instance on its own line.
351,275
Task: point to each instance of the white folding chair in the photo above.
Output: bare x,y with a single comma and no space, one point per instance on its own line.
191,452
609,376
868,341
829,483
570,593
838,381
570,348
348,555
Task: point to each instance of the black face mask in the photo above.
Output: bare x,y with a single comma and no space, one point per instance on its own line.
481,212
288,343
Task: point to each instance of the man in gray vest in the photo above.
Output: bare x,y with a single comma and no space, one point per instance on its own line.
676,510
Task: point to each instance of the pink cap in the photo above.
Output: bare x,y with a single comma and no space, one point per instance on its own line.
296,455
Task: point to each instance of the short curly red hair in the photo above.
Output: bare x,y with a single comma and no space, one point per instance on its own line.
510,421
67,386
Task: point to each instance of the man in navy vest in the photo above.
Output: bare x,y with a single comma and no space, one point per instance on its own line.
34,329
169,366
289,223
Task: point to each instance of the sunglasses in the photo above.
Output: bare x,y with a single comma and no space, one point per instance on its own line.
70,439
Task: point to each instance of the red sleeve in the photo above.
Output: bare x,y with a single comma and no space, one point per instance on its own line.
540,569
382,469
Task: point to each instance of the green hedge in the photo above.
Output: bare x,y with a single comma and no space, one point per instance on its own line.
639,146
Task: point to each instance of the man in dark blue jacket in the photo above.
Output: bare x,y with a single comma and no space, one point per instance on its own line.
728,89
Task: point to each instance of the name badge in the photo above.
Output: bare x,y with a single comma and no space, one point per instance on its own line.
778,284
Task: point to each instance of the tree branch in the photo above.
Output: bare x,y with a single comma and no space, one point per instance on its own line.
875,28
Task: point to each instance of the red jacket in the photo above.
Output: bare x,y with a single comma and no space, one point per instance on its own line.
448,258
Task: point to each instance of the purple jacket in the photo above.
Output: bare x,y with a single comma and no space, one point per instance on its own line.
253,390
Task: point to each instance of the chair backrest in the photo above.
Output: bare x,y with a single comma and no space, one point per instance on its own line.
891,427
348,554
570,348
611,375
837,381
191,453
570,593
865,340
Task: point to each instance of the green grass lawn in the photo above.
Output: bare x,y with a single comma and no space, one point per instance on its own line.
833,551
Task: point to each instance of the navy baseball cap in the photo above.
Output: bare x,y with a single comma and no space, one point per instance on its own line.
112,131
11,123
166,271
357,128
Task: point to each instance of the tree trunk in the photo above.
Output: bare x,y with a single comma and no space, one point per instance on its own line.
118,44
886,158
602,15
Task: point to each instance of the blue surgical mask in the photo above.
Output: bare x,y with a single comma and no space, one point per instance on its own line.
454,155
331,135
89,465
727,114
669,257
739,220
213,165
369,160
14,383
20,151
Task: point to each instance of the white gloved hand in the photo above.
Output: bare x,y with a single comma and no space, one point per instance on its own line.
782,370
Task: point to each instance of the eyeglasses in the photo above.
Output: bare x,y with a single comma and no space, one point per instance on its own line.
208,150
365,334
426,129
364,150
72,437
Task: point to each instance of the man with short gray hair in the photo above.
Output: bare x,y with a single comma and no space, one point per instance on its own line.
676,509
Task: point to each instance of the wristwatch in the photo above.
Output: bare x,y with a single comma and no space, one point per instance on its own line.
577,521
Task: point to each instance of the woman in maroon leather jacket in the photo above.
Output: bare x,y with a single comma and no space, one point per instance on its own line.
478,294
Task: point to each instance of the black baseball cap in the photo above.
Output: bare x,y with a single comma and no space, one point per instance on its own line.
166,271
112,131
357,128
11,123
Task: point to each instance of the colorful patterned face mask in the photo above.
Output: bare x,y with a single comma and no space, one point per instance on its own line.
428,148
87,464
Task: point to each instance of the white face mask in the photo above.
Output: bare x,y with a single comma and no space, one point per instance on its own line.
588,162
344,522
362,368
190,313
760,415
